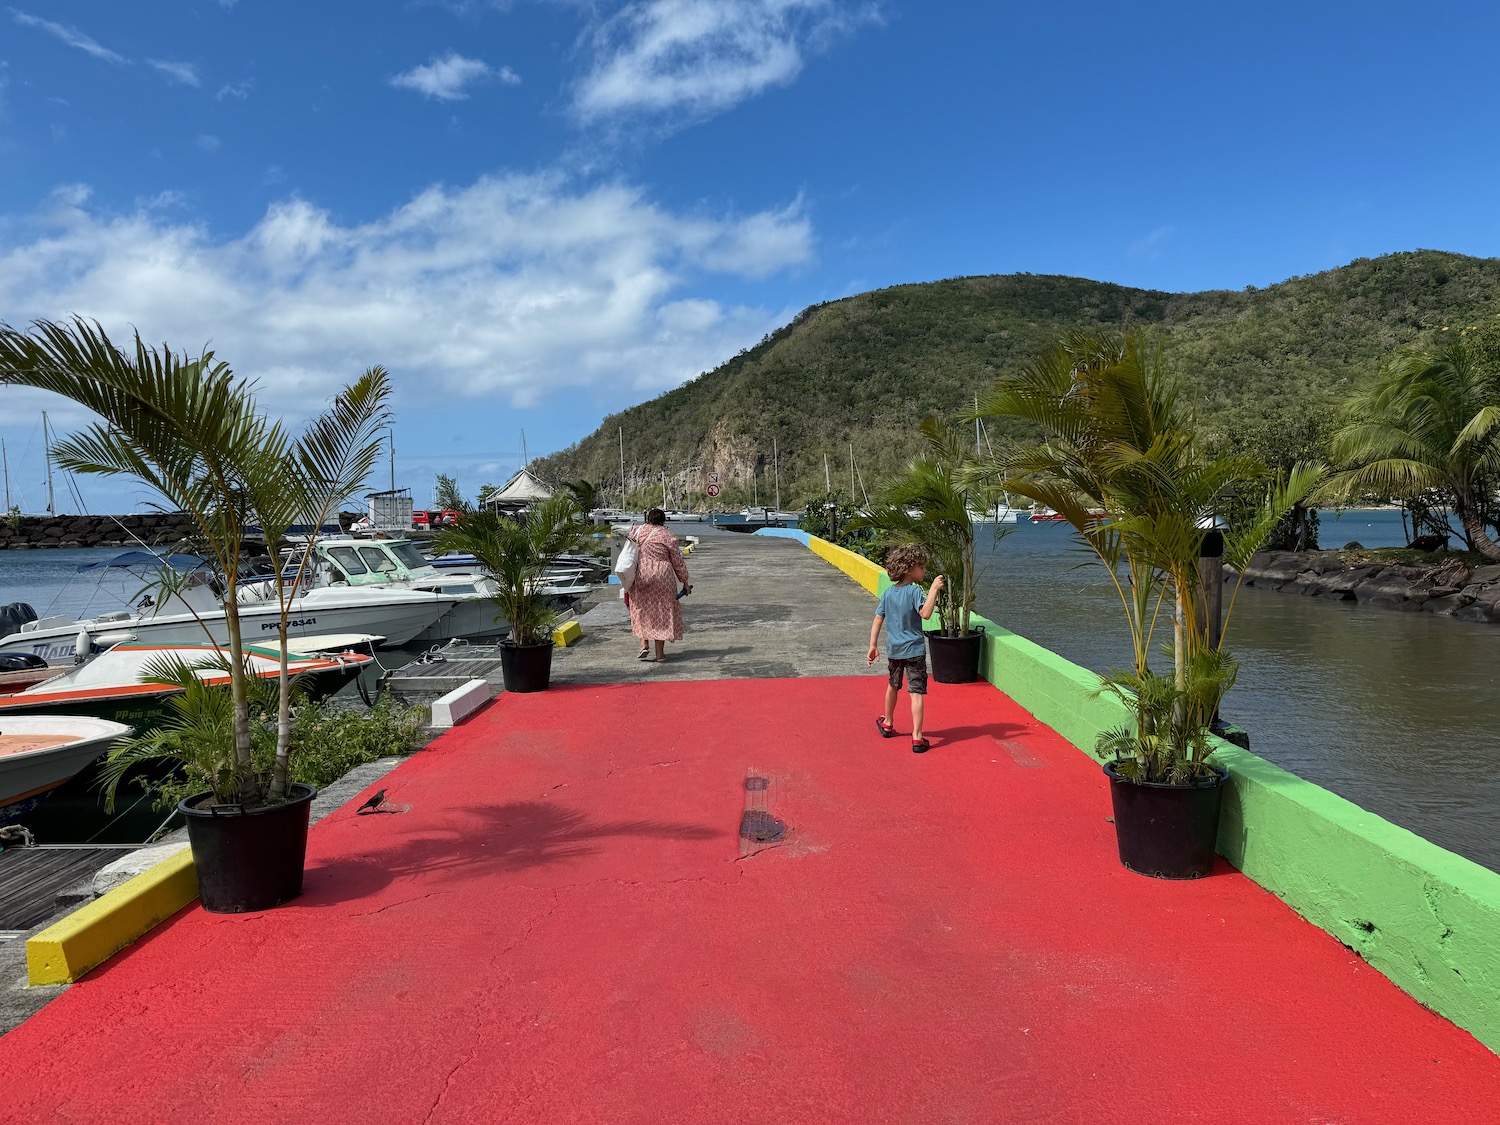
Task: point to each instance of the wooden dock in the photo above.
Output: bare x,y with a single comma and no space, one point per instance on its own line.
31,879
442,670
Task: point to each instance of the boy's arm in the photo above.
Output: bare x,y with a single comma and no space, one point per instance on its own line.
932,596
874,637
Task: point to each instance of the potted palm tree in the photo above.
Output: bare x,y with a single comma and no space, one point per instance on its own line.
192,431
1119,459
516,552
928,505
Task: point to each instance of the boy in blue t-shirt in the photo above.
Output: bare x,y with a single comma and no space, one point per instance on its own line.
902,610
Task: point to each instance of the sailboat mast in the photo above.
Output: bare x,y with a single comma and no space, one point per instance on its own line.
853,499
776,468
5,460
977,450
525,457
47,452
827,480
391,442
623,503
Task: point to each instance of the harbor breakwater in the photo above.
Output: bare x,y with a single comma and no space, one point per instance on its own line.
26,533
1447,589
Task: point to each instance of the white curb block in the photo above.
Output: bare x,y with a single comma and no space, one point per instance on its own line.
460,703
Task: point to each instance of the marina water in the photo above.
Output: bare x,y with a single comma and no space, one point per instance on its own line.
1396,711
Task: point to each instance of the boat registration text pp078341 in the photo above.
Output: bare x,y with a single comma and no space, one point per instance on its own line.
298,624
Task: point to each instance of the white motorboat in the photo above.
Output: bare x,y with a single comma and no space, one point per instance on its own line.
193,615
397,564
40,752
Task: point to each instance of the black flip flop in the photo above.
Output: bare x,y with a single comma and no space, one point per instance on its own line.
885,731
920,747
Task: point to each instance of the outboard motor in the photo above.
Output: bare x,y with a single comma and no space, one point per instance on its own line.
13,616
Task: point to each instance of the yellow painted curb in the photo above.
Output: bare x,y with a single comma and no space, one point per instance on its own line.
66,950
568,633
857,567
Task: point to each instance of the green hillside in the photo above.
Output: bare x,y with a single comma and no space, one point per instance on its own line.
864,369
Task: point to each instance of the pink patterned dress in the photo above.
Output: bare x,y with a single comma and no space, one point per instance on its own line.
655,612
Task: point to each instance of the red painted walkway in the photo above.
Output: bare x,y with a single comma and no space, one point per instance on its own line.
562,928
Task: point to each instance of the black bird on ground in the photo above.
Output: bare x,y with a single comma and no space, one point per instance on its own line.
372,804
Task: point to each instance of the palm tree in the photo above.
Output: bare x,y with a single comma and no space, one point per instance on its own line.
1428,420
928,505
1120,460
516,552
193,432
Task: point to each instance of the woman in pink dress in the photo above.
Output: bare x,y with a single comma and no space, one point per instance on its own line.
655,611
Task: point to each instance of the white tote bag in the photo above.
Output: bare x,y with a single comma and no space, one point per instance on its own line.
630,557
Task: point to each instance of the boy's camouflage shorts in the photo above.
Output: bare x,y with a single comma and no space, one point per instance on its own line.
916,673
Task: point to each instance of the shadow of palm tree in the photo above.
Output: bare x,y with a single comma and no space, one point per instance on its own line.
482,839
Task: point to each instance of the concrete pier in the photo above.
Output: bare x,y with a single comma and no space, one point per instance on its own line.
759,608
698,892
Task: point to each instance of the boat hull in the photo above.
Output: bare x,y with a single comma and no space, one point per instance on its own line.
397,620
27,776
145,709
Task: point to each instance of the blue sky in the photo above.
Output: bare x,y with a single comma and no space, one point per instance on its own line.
535,212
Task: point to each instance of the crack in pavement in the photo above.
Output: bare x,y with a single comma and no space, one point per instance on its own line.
481,1002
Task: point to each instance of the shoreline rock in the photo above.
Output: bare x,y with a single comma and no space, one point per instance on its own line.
157,529
1450,588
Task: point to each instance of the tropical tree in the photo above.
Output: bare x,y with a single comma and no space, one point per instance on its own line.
192,431
1119,458
1429,419
585,495
447,495
516,551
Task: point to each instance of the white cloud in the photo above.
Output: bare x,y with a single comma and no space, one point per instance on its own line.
700,56
447,77
1151,245
515,286
69,35
185,73
208,142
239,91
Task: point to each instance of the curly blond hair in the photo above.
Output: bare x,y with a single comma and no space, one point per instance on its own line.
899,560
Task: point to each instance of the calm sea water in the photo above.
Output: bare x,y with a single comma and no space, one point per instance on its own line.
1396,711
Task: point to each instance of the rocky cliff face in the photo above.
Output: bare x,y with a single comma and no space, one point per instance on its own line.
1449,589
29,532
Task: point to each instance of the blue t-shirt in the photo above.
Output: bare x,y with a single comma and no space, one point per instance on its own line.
903,624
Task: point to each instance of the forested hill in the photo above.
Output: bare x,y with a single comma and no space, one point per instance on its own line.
866,368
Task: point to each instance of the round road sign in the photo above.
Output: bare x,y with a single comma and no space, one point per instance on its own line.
713,490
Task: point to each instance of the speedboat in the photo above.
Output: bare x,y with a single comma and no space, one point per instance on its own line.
114,685
193,614
397,564
40,752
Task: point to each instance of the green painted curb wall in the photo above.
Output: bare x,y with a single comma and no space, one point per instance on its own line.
1428,919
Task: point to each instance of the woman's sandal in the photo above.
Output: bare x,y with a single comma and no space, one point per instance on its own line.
920,746
886,730
645,652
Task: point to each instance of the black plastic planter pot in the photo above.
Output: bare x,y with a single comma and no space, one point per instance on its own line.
955,660
1167,831
248,859
526,667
